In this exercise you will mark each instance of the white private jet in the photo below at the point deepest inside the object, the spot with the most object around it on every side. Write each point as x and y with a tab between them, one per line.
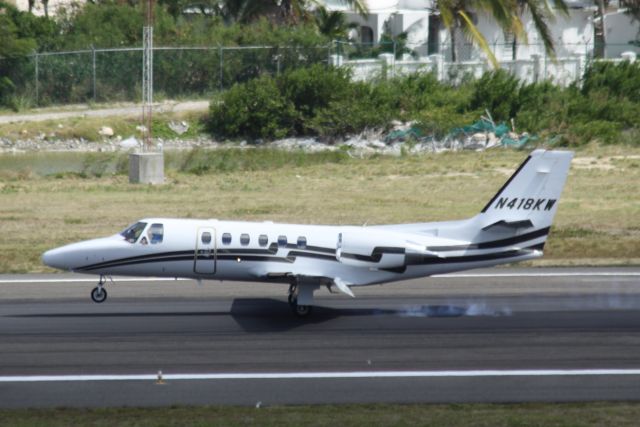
512	227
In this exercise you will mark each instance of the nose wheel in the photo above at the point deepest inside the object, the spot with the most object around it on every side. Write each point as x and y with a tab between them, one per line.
99	293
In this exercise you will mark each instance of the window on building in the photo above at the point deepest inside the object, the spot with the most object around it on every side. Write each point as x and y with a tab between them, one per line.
366	35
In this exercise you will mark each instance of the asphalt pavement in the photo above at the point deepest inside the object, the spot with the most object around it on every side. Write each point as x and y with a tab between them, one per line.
500	335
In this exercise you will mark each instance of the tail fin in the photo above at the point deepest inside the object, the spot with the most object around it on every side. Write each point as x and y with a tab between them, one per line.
529	199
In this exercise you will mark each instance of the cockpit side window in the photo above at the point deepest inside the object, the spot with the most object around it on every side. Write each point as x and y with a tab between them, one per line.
134	231
156	233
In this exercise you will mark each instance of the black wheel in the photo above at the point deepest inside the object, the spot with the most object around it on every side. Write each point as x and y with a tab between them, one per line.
302	310
98	294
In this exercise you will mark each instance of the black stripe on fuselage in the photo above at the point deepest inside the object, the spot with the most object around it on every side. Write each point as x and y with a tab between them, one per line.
310	252
492	244
469	258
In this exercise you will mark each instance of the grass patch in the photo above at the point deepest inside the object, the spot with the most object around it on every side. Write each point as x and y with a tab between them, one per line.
597	218
461	415
87	127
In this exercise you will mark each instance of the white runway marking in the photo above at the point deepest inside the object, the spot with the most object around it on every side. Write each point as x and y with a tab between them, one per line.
93	280
568	274
328	375
443	276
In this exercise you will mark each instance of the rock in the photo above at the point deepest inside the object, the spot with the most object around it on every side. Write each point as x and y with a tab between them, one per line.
129	143
493	140
141	128
60	126
105	131
179	127
479	138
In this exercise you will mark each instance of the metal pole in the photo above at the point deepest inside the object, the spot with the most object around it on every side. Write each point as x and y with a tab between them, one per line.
93	66
220	76
36	75
393	70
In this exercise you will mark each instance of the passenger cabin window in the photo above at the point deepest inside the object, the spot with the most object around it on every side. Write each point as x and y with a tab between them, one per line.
206	238
244	239
282	241
156	233
134	231
263	240
302	242
226	238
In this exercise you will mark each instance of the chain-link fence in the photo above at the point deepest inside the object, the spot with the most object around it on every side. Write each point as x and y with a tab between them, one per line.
97	75
116	74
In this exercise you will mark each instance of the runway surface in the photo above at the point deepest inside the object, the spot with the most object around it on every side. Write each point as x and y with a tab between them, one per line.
501	335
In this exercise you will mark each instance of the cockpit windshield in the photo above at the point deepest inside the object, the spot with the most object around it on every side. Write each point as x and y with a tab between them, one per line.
134	231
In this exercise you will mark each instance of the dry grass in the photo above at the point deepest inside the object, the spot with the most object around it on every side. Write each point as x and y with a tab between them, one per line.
88	127
494	415
598	219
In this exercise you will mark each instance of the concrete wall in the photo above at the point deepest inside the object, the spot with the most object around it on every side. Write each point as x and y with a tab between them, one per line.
619	30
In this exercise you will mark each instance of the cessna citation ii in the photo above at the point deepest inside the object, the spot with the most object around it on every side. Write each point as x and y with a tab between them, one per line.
513	226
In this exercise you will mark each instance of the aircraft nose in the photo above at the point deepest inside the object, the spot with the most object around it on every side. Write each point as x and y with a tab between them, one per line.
55	258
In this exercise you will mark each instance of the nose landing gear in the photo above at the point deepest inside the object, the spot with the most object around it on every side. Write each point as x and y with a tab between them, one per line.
99	293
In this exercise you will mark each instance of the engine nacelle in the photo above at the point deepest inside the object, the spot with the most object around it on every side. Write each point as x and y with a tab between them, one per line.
371	248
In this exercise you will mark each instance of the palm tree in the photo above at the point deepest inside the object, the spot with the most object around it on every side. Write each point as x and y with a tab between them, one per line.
456	16
333	24
541	13
280	11
293	11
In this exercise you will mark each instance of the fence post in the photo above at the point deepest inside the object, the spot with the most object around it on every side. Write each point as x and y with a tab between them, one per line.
221	75
93	71
536	66
439	61
37	77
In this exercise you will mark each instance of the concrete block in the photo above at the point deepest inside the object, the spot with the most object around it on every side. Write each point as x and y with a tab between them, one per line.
146	168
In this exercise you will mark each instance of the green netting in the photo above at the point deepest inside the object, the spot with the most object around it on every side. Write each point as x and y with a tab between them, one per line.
484	125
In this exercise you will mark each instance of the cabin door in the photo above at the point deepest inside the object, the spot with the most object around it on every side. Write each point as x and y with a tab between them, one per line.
205	257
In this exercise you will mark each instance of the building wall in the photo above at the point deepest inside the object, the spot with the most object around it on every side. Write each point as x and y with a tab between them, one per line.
38	9
620	29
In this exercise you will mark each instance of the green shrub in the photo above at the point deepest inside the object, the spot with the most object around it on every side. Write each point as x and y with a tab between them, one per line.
255	109
367	106
313	88
544	106
439	122
597	130
619	80
497	91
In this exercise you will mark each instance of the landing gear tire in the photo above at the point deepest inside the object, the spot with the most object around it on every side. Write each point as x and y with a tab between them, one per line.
302	310
98	294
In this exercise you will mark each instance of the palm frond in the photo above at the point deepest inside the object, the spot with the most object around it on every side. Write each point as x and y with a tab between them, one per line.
477	37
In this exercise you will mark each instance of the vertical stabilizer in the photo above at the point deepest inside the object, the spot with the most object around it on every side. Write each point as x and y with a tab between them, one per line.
529	199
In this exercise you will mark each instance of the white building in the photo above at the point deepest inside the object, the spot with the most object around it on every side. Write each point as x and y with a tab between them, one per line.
572	35
38	6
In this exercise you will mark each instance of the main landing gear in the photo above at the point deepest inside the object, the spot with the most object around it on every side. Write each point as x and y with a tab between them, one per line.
99	293
298	310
